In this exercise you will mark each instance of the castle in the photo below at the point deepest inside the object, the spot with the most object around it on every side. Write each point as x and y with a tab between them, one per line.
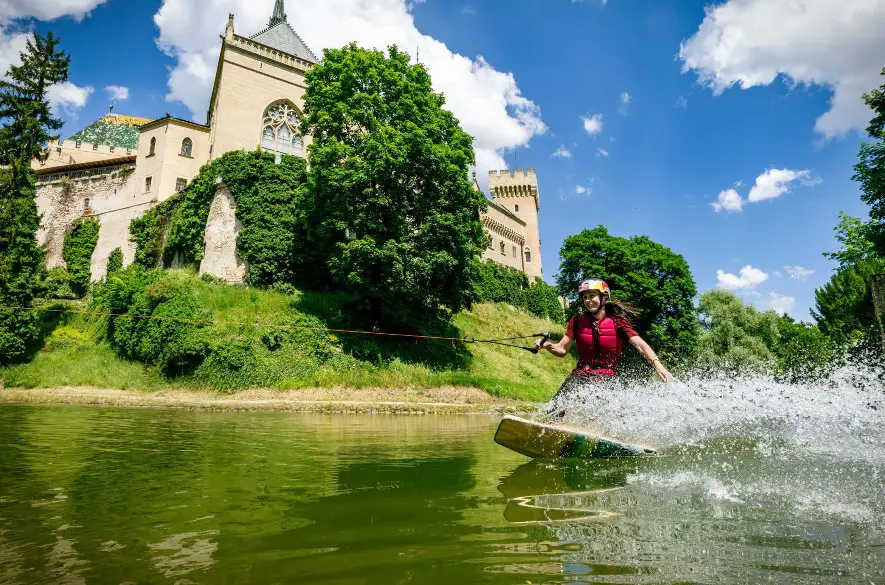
120	166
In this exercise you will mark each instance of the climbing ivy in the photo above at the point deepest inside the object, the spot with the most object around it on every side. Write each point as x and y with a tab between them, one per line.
149	231
268	197
77	253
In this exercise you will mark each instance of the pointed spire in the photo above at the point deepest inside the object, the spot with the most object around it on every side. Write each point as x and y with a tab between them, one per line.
279	14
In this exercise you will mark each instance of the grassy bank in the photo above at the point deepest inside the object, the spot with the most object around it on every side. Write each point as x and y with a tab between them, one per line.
75	356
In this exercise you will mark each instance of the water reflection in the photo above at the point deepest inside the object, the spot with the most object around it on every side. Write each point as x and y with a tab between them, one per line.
559	491
113	496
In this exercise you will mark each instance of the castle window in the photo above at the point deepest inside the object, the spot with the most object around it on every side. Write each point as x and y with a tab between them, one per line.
95	146
187	147
516	207
147	185
503	253
514	251
279	130
180	184
153	147
528	256
86	204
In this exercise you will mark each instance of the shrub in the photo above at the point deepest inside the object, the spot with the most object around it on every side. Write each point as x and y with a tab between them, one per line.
115	261
162	322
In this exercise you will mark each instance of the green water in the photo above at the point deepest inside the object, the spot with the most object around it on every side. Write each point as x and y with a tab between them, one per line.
95	495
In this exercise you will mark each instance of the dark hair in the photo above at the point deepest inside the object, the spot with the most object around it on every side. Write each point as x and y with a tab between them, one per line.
621	308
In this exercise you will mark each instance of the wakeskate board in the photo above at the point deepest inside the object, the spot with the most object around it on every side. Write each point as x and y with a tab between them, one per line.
548	441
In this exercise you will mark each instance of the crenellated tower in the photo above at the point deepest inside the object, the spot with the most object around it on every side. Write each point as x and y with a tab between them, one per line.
517	190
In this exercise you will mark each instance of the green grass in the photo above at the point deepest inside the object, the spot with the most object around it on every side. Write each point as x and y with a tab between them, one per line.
73	356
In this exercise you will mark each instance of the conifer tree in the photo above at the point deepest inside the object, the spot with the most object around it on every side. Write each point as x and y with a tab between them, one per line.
27	126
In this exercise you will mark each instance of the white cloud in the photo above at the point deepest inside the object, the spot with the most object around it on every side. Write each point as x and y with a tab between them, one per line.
593	124
681	102
488	102
11	44
781	303
625	100
67	98
581	189
118	93
749	43
747	278
775	182
769	185
729	201
602	152
562	152
799	273
46	9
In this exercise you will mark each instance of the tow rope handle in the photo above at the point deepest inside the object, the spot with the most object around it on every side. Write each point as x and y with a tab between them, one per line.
544	337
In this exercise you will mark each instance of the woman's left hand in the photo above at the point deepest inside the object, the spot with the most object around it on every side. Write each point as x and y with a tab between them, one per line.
662	372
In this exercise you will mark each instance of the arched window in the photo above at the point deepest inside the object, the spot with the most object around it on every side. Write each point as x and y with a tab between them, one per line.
516	207
153	146
187	147
86	204
528	255
279	130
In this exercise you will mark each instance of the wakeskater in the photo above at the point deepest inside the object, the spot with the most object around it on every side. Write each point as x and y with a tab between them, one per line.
600	331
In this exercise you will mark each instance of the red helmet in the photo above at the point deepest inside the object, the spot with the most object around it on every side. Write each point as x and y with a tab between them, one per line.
597	285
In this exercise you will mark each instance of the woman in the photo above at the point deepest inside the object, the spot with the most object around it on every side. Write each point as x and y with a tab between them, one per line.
600	331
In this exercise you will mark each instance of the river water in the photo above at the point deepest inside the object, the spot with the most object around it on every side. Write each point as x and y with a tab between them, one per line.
756	482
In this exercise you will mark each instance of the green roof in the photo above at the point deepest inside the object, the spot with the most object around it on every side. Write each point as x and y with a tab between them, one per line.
113	130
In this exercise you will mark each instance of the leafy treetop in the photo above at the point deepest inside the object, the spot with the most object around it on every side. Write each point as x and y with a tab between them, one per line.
391	210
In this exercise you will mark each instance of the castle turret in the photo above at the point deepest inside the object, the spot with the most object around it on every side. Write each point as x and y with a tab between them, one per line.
517	190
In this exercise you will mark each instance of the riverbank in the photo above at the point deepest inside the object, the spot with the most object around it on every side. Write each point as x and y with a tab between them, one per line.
407	401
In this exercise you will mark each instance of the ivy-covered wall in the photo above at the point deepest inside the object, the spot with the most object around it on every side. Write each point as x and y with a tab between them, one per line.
77	253
267	196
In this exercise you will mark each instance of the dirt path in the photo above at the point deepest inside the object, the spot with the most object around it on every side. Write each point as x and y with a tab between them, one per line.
445	400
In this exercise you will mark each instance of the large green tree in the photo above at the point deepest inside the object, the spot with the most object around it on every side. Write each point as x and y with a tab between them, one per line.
656	280
870	168
391	211
27	126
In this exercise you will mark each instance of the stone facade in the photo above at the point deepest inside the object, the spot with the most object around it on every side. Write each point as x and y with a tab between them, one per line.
257	101
220	257
517	192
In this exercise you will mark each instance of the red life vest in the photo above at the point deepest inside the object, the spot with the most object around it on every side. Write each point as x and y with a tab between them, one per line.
599	346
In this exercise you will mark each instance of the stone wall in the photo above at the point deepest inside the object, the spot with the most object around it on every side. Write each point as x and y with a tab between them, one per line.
107	193
220	257
506	237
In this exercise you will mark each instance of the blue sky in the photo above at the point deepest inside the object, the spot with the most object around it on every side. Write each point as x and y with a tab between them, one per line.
670	141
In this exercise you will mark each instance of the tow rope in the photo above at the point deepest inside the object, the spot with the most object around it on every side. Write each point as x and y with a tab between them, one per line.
499	341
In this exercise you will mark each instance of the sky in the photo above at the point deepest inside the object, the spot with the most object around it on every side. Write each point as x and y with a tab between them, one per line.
725	132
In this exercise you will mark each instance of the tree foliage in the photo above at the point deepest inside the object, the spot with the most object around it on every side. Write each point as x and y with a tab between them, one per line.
739	340
870	168
391	211
27	126
494	283
855	239
844	308
656	280
77	252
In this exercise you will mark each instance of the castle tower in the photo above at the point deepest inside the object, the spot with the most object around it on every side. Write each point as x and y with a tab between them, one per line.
518	192
258	96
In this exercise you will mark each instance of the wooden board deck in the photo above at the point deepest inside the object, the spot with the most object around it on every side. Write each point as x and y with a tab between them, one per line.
548	441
